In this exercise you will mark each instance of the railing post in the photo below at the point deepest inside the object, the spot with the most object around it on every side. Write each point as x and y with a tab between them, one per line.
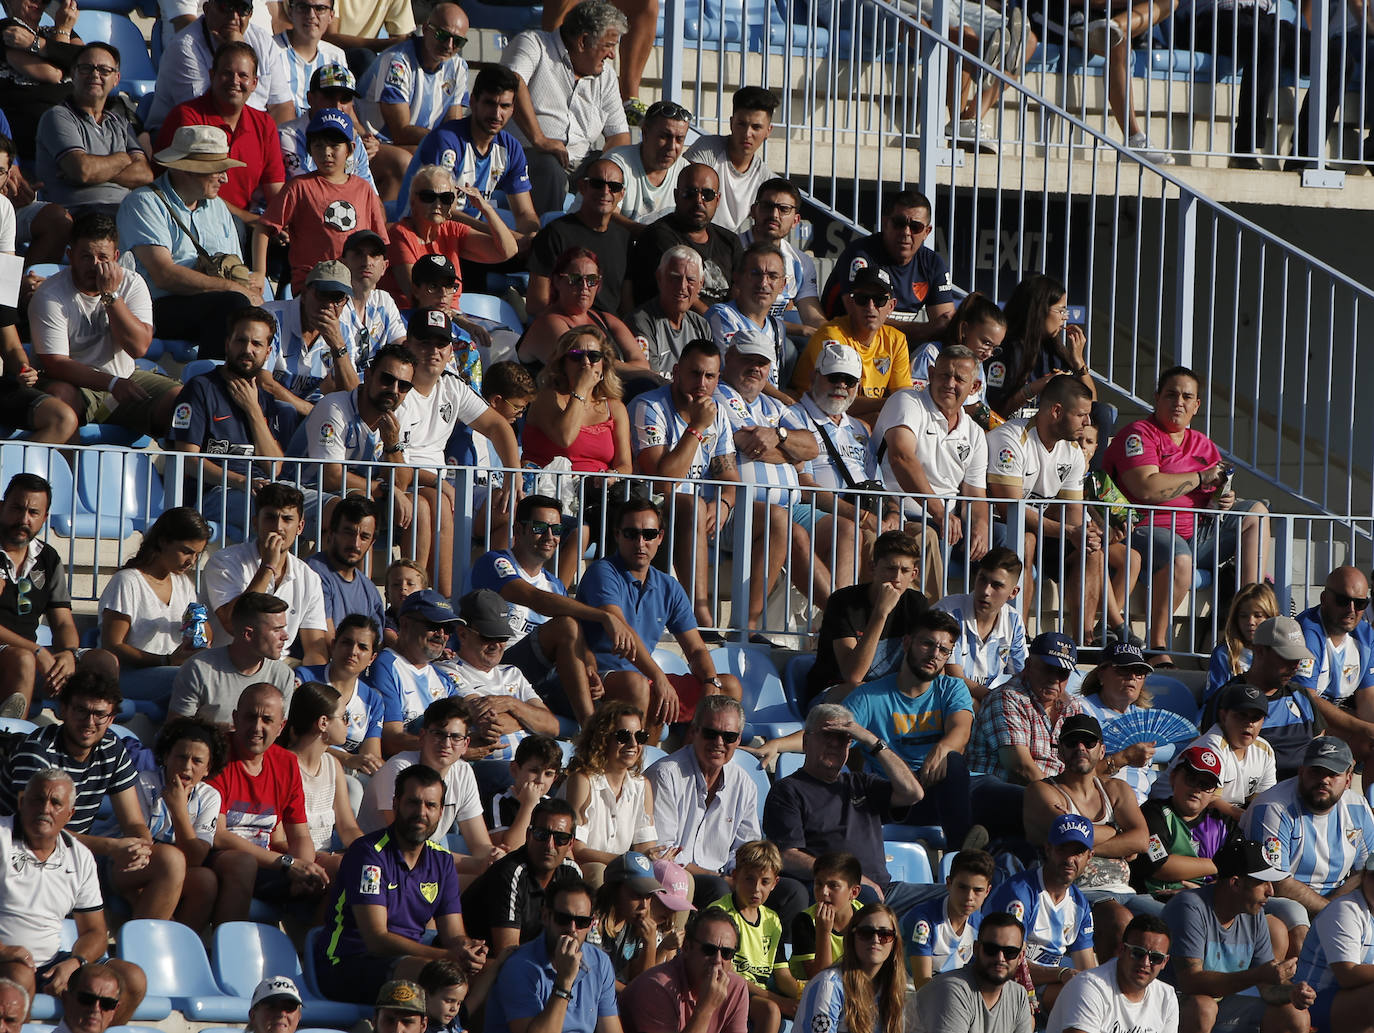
673	72
1185	273
1281	527
935	150
1320	176
173	479
464	481
742	544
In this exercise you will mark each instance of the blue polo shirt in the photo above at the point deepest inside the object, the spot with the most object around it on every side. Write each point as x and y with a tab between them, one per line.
651	606
911	726
1336	671
526	984
205	416
342	598
373	871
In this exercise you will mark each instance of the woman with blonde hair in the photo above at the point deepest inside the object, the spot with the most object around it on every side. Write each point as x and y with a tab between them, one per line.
865	991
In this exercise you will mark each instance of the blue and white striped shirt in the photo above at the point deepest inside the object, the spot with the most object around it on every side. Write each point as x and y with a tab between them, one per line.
397	77
1321	850
299	71
726	320
763	411
1344	932
1053	931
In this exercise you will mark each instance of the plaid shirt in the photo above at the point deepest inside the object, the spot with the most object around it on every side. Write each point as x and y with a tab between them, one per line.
1010	716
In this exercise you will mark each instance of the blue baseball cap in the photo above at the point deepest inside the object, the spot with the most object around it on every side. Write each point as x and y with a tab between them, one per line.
1055	649
428	605
330	120
1072	828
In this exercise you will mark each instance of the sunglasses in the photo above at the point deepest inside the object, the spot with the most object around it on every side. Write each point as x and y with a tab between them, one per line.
279	1003
88	999
577	280
1143	953
624	736
1199	779
712	950
539	528
842	379
901	222
444	37
1007	951
705	193
234	6
874	932
24	604
721	734
597	183
442	196
1342	600
592	355
669	110
864	300
568	918
541	834
649	534
391	380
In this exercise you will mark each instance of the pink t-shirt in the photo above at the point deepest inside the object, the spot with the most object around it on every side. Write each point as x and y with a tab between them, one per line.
1146	443
320	216
658	1001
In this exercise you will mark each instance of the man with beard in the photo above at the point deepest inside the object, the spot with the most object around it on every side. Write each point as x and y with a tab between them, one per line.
983	996
1125	993
347	588
695	200
1342	644
392	884
925	716
1336	959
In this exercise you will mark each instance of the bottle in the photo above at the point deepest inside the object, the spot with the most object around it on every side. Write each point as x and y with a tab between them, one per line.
193	623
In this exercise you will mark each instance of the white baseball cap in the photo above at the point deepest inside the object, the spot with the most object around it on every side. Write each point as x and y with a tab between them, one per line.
837	357
274	986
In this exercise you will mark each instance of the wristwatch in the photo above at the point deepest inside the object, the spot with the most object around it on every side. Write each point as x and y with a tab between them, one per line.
285	862
713	680
877	748
560	992
107	299
782	435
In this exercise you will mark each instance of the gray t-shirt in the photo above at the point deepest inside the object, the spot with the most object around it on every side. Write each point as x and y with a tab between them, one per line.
951	1003
208	685
1195	933
62	130
662	344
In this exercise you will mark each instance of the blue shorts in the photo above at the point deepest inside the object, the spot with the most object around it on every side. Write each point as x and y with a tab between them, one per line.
1213	542
806	515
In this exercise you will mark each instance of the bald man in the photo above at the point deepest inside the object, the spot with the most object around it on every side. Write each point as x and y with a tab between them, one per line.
420	82
695	200
1342	643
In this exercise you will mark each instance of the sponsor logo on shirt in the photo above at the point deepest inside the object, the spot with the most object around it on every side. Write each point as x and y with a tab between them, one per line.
371	880
181	416
1135	446
1305	669
1273	853
921	935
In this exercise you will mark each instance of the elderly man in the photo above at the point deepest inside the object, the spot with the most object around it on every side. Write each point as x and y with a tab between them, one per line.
275	1006
1128	985
568	96
590	227
253	137
755	283
698	990
868	304
89	323
919	276
984	994
188	304
209	684
1342	644
405	675
738	157
775	214
651	167
420	81
690	223
88	155
666	322
49	874
1162	461
90	999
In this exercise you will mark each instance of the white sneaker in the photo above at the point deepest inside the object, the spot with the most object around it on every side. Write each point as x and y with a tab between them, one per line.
973	135
1140	143
1097	37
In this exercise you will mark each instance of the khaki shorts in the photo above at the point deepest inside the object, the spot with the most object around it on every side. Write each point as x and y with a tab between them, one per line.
101	407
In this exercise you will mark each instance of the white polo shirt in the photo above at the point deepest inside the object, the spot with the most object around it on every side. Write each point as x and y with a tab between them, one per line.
229	571
36	896
950	458
708	835
1016	455
1094	1001
850	439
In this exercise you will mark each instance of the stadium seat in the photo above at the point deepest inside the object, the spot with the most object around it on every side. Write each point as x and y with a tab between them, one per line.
789	764
908	862
754	769
111	434
794	682
485	306
931	835
173	958
567	748
245	953
1172	694
196	367
946	863
137	74
131	475
671	662
67	516
17	725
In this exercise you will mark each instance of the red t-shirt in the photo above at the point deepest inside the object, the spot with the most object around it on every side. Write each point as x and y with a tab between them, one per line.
254	805
406	246
320	217
255	143
1146	443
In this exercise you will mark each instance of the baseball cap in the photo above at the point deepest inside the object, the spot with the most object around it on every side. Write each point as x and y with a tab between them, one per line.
1330	753
839	358
870	279
331	277
486	613
1243	696
1202	759
1248	857
433	269
365	238
428	605
1055	649
1080	726
333	77
330	120
274	986
431	323
675	882
635	870
1284	636
1126	655
402	995
753	342
1071	828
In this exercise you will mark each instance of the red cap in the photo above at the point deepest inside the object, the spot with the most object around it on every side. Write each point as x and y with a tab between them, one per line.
1202	758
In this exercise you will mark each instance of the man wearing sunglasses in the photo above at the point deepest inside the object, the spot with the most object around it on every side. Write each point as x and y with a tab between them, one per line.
651	167
983	996
695	200
419	82
698	991
90	1000
1342	644
1126	992
588	226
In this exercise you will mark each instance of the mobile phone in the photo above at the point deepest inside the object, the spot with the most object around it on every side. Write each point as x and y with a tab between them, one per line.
1227	472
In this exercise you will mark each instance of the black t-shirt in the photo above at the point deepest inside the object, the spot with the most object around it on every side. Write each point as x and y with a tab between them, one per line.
719	253
611	247
846	616
802	812
44	586
506	896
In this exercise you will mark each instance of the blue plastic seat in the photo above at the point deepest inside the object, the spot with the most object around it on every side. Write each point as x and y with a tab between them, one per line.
486	306
908	862
790	763
196	367
137	74
761	685
173	958
20	726
1172	694
671	662
129	477
794	682
67	516
756	773
245	953
111	434
933	835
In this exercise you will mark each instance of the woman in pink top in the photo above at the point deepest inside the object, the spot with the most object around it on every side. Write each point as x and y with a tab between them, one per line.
577	413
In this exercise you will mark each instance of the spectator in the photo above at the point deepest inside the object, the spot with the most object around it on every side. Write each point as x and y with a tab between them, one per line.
542	986
318	721
330	86
1334	955
143	607
90	999
421	81
1221	948
690	223
357	639
1114	522
1112	690
756	282
866	988
703	803
372	319
88	155
262	845
538	764
405	676
42	226
445	986
658	605
1161	461
347	588
668	321
318	211
557	122
1246	758
1037	457
738	158
267	564
772	989
89	323
209	684
651	167
574	283
866	327
1124	990
699	989
403	578
985	994
918	277
357	28
1251	606
252	132
1342	644
980	326
14	1005
589	227
775	213
606	787
275	1006
310	356
940	933
1039	345
305	53
392	884
1184	836
624	925
818	932
991	645
37	63
163	222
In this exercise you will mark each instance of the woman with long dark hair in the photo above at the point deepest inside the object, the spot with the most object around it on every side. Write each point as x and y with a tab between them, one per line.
1040	344
864	992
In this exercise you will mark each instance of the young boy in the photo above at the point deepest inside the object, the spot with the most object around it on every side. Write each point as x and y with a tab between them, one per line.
992	640
538	763
314	214
446	987
818	932
759	957
939	933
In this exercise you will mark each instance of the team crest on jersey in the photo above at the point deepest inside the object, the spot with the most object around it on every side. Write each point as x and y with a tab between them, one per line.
446	411
450	85
1353	835
859	263
1063	470
371	881
962	451
1305	668
1273	852
882	365
430	891
448	158
1135	446
921	934
1348	671
997	374
181	416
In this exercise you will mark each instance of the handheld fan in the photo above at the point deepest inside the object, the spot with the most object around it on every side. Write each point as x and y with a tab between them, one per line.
1160	727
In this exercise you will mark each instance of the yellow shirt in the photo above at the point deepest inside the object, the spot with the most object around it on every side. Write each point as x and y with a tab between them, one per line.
367	17
886	362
